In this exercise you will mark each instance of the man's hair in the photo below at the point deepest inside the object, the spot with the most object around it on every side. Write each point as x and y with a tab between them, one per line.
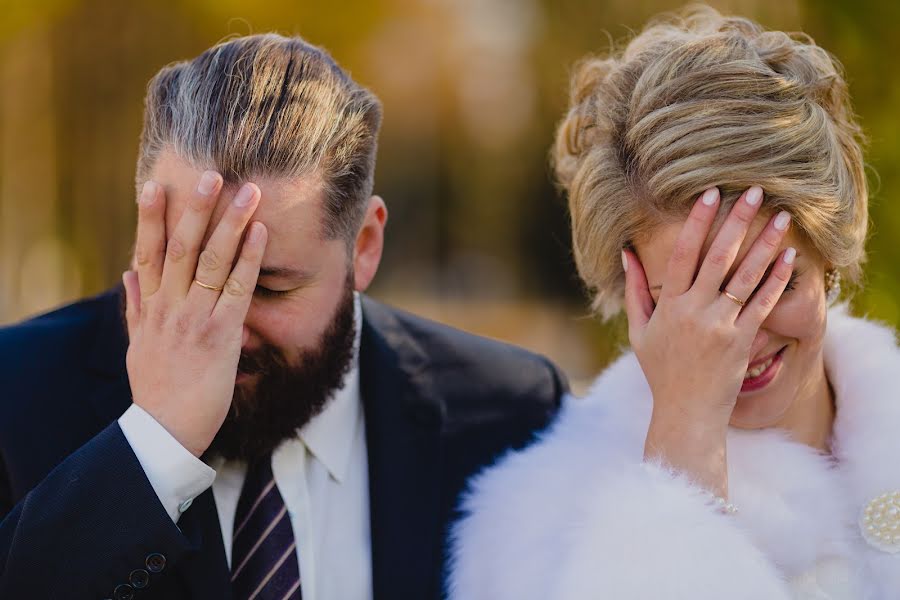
268	106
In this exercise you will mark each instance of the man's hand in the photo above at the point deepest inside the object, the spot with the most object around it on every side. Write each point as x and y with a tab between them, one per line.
185	338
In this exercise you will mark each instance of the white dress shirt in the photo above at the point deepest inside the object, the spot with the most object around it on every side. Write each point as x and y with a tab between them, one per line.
322	475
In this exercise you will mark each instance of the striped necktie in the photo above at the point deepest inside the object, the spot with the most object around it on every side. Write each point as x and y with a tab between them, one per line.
263	552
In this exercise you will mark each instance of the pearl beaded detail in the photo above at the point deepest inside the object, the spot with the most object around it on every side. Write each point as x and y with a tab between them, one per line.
879	522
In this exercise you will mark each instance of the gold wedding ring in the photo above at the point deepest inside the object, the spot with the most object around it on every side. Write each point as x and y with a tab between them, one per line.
207	286
733	298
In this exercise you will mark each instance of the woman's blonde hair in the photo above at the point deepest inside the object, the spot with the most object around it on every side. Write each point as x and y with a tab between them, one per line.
701	100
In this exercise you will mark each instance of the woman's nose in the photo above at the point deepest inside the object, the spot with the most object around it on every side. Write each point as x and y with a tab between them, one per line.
759	342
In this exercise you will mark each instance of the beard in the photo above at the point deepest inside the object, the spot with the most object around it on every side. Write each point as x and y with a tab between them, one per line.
283	396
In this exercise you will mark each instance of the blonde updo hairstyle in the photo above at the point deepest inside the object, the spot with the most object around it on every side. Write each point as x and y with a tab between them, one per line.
703	100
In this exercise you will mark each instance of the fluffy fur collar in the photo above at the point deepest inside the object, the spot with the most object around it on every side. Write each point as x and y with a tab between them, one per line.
549	508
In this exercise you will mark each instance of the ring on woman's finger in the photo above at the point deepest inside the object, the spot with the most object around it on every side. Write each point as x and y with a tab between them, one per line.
733	298
207	286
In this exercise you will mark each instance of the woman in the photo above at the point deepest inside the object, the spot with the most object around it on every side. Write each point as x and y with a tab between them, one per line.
747	447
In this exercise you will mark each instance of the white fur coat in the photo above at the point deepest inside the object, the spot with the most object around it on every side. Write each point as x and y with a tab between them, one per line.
579	516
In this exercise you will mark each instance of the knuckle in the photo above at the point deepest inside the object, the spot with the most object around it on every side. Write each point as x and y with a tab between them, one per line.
749	277
698	217
743	214
182	324
199	203
681	252
721	334
142	256
718	257
770	241
175	250
781	274
766	300
233	287
158	316
689	320
207	335
210	260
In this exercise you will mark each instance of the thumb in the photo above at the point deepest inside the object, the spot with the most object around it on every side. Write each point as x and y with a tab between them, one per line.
638	301
132	301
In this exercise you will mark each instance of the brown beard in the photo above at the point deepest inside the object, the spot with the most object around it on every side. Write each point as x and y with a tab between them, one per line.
283	397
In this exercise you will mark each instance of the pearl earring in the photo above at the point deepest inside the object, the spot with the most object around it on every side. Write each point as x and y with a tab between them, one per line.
832	285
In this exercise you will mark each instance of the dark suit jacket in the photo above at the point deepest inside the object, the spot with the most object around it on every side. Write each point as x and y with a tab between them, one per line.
80	518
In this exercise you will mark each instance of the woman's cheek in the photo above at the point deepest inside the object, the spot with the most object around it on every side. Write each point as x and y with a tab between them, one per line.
800	314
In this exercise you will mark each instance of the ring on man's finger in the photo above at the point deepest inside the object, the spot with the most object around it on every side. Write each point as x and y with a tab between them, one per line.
733	298
207	286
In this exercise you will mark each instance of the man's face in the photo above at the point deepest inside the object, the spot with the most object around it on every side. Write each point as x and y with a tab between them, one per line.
298	334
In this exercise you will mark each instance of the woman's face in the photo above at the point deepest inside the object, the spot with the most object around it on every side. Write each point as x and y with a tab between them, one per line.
795	328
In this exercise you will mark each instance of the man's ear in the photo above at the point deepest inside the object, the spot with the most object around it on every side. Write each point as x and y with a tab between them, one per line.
369	244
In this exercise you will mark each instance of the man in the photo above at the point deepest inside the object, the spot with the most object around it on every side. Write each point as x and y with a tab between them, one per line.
238	421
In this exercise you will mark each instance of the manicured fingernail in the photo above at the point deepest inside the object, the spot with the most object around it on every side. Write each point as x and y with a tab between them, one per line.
256	232
624	261
710	196
754	195
244	196
208	182
782	220
148	193
789	255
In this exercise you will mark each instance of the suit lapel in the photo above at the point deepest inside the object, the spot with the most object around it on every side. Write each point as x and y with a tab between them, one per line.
403	422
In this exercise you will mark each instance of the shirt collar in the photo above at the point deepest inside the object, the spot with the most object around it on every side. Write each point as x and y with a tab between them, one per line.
329	435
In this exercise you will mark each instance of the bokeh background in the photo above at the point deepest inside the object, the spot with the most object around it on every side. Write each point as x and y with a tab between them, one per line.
478	234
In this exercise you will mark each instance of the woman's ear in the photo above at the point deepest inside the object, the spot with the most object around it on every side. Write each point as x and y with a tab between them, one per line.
369	244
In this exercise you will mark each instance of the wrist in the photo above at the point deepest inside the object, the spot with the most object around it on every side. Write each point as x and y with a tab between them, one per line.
696	449
178	427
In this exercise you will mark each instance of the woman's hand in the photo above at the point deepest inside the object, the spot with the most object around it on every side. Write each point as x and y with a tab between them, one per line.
694	345
185	338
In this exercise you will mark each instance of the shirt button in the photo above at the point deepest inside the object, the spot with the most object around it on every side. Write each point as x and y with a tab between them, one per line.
155	562
185	505
139	579
123	592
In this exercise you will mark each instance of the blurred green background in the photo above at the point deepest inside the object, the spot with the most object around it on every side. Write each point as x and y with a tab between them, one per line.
478	235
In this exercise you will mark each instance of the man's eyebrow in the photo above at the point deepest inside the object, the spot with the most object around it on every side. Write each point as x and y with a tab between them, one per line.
656	287
285	273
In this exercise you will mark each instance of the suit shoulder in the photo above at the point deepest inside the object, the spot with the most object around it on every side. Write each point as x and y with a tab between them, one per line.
478	372
61	335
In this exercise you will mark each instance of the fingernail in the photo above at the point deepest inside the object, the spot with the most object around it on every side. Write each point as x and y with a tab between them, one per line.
148	193
244	196
208	182
754	195
256	232
624	261
789	255
782	220
710	196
